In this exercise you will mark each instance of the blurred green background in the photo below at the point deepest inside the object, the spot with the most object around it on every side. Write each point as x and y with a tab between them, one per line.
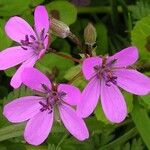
118	23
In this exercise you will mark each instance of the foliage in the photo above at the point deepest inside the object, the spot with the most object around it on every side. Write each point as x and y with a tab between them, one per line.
118	24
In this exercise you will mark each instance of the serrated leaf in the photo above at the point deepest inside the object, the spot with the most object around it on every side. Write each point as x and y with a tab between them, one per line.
22	91
141	37
11	131
64	10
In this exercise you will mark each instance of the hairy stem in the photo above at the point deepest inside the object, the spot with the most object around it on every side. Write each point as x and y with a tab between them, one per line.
65	56
75	77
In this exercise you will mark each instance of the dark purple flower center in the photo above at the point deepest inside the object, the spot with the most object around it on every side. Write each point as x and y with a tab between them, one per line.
52	98
106	72
35	42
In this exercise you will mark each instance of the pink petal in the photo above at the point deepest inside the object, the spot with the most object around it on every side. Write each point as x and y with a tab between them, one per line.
88	66
41	19
113	103
16	28
73	94
38	128
16	80
42	53
13	56
133	81
22	108
34	79
74	124
47	41
125	57
89	99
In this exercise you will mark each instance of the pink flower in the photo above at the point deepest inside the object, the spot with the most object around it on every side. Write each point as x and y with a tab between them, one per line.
105	75
33	43
39	110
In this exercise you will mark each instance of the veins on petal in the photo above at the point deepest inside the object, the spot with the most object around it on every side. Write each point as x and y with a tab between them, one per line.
106	72
52	98
35	42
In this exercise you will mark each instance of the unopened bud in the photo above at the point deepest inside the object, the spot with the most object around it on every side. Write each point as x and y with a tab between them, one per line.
59	28
90	34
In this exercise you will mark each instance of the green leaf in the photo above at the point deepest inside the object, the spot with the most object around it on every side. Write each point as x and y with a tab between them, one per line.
36	2
64	10
4	40
3	120
61	45
141	37
16	130
13	7
10	72
146	100
93	124
22	91
129	101
11	131
52	61
102	39
100	114
141	9
80	81
122	139
142	121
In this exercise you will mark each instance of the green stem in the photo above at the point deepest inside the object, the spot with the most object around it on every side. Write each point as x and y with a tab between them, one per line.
100	9
61	141
131	133
29	147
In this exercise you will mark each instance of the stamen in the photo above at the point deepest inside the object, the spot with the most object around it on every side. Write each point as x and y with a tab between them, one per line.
52	98
32	37
24	48
36	43
42	35
106	72
112	62
45	88
46	107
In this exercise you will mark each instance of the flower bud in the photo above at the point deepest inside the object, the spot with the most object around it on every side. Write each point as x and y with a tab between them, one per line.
90	34
59	28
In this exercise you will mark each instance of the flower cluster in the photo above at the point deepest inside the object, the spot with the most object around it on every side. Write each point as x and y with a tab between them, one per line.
105	75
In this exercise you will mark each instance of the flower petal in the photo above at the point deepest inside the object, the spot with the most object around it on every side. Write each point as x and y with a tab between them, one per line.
16	80
74	124
113	103
125	57
133	81
38	128
89	98
22	109
73	94
88	66
13	56
34	79
41	19
17	28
